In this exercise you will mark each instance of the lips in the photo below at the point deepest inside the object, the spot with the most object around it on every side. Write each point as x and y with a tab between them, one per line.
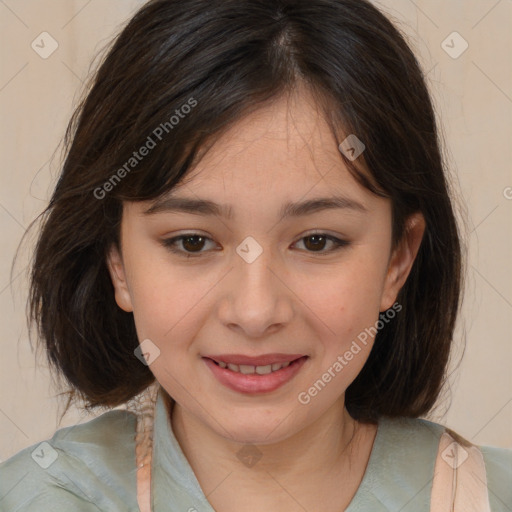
263	381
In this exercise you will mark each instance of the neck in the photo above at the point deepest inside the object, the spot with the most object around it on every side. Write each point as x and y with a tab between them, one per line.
325	445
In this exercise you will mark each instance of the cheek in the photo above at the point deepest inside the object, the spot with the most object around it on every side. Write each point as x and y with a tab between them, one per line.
165	312
347	297
348	307
167	301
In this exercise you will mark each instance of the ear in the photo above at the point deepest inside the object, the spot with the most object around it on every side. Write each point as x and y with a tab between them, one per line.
402	259
117	274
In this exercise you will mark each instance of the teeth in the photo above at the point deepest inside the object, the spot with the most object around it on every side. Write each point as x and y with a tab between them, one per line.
263	370
248	369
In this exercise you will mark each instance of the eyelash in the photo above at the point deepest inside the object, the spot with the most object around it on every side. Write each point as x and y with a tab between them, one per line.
170	244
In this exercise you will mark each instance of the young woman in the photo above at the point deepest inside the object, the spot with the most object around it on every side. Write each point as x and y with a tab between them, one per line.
252	244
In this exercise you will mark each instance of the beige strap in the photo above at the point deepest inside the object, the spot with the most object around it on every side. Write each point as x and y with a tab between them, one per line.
460	481
144	408
144	488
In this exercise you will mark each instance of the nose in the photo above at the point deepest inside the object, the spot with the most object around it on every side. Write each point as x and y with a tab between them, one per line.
256	299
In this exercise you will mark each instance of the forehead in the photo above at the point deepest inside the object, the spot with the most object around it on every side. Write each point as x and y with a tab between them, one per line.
285	147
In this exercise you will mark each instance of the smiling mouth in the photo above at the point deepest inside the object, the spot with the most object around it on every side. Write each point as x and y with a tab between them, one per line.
255	379
248	369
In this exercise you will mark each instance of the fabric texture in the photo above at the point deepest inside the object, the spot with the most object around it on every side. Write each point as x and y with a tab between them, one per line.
92	466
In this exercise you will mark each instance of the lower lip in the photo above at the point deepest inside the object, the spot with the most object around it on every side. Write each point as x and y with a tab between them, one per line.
254	383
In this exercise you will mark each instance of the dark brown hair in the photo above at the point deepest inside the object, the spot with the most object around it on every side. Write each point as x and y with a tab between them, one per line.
231	57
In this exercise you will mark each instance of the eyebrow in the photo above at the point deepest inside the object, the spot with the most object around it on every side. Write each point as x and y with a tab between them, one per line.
169	204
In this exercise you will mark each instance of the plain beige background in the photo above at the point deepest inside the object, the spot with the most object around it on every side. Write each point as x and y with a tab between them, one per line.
473	96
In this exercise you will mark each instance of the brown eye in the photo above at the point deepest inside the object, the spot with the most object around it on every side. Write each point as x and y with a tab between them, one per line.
317	243
191	244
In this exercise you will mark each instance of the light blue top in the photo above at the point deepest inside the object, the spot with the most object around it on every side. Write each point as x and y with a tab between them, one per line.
90	467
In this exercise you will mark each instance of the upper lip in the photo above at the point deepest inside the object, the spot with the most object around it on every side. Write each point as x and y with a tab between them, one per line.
262	360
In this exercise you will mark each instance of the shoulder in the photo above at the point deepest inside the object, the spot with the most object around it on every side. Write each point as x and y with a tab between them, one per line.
414	438
413	443
81	467
498	466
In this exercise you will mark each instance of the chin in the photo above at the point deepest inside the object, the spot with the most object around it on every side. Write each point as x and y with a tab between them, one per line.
254	430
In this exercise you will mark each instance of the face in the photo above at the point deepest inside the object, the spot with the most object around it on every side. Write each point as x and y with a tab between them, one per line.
259	277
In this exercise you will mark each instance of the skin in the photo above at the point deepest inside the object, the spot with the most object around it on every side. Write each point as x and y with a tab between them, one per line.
295	298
